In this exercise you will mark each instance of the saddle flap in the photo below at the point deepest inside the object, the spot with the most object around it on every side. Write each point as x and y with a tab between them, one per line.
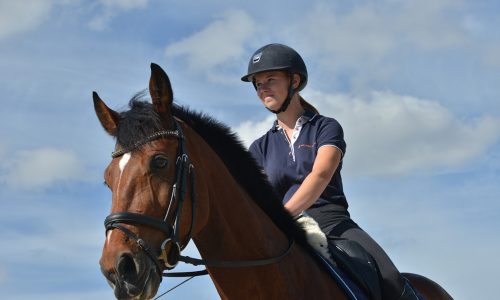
358	263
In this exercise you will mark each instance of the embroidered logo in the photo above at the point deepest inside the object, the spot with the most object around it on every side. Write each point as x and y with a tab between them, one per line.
306	146
256	57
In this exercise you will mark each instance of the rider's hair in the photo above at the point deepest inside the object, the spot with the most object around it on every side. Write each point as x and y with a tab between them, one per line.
307	106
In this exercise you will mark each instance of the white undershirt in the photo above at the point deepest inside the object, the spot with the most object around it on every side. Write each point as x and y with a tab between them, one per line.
295	134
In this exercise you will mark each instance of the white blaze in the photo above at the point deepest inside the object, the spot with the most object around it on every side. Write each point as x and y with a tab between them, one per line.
108	237
124	161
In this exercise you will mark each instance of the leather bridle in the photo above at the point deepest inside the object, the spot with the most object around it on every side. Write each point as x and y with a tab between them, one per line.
170	259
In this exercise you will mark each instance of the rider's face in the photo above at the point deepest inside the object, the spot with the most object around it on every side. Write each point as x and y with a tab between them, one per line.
272	88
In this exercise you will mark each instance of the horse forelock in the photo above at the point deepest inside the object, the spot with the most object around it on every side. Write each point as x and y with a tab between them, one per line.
139	122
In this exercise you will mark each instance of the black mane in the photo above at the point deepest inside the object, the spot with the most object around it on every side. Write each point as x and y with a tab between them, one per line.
142	121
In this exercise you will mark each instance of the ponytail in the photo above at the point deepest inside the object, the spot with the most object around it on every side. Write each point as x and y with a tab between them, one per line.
308	106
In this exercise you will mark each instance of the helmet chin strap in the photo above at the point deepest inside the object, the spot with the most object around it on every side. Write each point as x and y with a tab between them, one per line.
284	106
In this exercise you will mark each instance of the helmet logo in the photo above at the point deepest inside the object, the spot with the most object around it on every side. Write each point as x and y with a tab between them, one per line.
256	57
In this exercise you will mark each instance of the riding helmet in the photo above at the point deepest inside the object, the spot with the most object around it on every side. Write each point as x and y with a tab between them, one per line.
275	57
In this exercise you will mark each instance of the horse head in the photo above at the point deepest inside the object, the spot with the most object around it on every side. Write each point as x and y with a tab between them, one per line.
149	177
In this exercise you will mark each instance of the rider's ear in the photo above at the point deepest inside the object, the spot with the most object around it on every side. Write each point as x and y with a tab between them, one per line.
109	118
161	93
296	80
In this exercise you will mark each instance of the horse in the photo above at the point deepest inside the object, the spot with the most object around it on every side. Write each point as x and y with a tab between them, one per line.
178	175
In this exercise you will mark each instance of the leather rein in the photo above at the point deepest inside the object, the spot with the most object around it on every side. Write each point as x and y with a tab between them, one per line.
170	259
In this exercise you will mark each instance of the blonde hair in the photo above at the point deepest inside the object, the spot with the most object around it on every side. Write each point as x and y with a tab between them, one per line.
307	106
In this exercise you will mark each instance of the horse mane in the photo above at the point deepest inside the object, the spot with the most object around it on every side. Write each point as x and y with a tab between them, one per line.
141	121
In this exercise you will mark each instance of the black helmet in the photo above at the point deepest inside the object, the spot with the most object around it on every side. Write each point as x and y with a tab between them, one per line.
274	57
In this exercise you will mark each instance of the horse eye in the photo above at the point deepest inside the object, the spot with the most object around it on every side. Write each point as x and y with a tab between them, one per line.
159	162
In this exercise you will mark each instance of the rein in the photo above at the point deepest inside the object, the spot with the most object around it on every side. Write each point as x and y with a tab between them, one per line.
170	259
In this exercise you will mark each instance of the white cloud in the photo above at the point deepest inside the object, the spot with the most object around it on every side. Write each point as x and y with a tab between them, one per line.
220	43
429	24
367	37
395	134
20	16
390	134
249	131
111	8
41	168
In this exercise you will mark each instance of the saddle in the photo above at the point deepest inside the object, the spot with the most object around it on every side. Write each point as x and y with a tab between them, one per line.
360	266
348	256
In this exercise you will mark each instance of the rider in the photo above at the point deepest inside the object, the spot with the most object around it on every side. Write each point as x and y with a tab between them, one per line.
302	155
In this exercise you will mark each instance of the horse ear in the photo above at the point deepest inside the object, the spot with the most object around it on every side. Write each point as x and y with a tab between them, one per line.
109	118
161	92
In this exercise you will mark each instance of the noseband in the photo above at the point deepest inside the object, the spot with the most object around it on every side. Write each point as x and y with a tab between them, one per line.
170	259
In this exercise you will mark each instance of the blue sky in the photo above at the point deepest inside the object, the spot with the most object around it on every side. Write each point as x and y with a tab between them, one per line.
414	83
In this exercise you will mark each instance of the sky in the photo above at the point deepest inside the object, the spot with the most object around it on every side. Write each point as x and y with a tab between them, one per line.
413	83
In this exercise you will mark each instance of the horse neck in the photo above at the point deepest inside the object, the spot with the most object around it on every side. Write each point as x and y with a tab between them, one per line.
234	220
231	226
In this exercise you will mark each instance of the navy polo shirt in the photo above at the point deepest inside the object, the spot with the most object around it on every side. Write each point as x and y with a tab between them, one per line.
286	166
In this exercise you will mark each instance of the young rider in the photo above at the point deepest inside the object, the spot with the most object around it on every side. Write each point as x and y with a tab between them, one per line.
302	155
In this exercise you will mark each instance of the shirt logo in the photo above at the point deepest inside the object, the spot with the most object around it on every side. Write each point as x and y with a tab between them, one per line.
256	57
306	146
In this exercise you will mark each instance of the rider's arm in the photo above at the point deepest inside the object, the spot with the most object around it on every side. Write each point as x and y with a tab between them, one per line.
325	164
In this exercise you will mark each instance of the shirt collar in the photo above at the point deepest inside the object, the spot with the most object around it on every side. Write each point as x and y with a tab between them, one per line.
306	117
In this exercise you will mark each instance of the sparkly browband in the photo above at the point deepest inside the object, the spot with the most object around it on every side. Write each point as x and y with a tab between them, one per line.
154	136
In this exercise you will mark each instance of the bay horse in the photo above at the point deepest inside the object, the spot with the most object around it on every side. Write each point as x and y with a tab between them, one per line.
177	175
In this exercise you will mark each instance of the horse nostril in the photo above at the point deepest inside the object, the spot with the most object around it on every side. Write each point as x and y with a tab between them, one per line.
126	268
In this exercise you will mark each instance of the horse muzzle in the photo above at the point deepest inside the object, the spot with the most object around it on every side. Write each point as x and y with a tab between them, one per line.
133	276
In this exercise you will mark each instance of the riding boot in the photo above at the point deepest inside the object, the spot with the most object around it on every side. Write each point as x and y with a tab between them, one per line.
408	293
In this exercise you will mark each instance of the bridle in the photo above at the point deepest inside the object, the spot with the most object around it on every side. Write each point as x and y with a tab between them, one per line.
169	259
